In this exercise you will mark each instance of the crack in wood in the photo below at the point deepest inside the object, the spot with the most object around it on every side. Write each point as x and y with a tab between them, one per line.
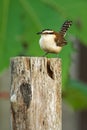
25	89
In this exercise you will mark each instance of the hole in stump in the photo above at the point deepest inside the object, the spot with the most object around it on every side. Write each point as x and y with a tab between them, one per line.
49	71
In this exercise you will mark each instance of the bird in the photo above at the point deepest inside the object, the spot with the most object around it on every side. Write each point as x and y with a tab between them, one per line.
52	41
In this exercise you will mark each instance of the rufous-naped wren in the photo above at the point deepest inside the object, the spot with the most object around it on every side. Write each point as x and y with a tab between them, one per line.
52	41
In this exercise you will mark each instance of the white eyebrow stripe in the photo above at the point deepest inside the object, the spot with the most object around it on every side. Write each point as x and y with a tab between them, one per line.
48	31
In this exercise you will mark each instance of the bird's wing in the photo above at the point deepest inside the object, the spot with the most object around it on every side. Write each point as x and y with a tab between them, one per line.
60	41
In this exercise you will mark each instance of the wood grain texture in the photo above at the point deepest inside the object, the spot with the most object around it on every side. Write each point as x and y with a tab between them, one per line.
36	93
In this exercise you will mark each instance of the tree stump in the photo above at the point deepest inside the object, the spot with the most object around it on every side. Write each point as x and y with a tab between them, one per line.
36	93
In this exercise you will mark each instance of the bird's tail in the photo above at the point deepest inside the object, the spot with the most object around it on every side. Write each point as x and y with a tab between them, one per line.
65	27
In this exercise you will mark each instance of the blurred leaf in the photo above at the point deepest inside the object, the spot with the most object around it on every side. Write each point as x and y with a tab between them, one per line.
76	94
77	11
10	26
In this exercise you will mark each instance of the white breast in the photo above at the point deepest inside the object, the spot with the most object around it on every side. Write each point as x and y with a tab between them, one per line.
48	44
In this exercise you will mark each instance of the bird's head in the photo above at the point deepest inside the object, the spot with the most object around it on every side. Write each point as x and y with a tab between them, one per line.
46	32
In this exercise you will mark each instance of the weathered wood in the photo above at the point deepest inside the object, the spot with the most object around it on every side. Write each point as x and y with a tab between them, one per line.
36	93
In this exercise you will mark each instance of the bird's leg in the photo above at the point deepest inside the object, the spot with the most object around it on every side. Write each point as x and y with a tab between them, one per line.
45	54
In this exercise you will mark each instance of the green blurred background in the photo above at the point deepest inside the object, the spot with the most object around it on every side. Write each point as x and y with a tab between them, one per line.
20	20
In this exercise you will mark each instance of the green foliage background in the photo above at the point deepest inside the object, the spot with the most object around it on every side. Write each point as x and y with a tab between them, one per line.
20	20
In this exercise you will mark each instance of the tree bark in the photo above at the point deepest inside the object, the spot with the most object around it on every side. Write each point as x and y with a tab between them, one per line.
36	93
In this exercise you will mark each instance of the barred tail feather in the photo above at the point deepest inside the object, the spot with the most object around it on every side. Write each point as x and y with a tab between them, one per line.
65	27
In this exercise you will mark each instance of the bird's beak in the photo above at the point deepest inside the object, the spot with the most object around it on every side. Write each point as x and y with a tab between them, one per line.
39	33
